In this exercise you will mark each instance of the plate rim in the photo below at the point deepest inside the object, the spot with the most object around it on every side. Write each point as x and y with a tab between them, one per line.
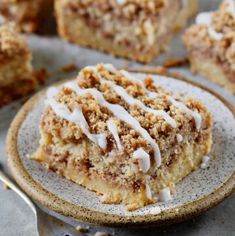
57	204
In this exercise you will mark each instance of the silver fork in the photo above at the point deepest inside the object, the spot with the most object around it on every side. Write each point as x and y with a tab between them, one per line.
46	224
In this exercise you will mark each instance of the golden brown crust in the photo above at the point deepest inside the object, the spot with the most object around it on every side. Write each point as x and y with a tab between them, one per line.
132	192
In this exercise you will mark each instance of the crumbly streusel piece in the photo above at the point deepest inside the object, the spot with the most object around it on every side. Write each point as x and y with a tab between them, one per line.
122	137
26	14
211	45
139	30
16	72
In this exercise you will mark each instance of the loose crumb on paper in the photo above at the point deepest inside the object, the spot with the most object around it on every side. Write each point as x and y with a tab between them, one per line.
82	229
68	68
41	75
6	187
205	162
101	234
175	62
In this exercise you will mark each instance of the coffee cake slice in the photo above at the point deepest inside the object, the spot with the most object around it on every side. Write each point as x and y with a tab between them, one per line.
16	73
26	14
124	138
138	30
210	43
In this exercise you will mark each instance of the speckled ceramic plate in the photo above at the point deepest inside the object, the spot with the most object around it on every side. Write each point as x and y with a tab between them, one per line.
199	191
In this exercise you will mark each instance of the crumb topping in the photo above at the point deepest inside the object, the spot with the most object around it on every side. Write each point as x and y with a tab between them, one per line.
129	5
220	22
224	17
10	41
97	116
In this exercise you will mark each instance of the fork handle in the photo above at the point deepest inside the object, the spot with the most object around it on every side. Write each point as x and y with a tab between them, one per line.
6	180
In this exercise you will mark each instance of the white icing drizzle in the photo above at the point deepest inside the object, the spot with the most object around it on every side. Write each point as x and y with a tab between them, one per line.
101	234
134	167
121	2
111	156
184	3
100	139
109	67
179	138
179	105
143	159
103	198
154	210
76	117
2	19
120	113
205	162
231	7
205	18
214	34
152	95
197	117
113	129
147	187
127	75
51	93
165	195
92	68
132	101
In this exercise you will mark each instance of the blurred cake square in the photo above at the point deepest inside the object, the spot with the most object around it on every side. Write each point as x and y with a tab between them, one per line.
26	14
16	72
138	30
210	43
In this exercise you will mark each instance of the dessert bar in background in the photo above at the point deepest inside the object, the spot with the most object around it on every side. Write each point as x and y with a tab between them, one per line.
210	43
138	30
125	138
188	10
26	14
16	73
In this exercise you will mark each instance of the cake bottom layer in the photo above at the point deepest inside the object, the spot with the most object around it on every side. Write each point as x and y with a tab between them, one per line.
184	163
212	70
